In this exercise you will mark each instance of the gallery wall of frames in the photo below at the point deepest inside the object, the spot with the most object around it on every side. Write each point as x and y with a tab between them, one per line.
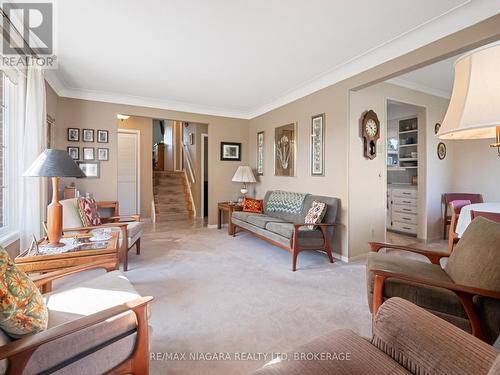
91	150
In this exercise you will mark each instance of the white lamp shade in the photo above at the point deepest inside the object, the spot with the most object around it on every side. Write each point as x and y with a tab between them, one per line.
474	110
244	174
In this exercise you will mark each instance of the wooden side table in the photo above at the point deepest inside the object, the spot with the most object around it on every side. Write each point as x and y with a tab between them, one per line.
229	208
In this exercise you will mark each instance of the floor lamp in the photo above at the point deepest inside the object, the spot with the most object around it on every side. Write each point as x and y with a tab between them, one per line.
54	163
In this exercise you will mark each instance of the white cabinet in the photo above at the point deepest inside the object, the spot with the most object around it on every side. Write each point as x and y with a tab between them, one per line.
402	210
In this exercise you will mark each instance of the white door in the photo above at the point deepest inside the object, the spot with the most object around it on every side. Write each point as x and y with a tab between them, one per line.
128	172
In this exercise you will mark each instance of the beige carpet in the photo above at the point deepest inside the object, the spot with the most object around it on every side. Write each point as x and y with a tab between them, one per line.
214	293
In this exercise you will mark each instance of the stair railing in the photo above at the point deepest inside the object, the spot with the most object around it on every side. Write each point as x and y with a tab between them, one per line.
189	164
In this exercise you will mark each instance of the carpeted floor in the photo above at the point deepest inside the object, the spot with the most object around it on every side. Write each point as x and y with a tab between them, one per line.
218	294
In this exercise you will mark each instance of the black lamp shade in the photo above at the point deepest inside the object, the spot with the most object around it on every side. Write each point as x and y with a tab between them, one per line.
54	163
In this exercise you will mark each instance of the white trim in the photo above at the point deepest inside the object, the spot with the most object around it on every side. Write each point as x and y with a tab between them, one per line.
180	145
138	182
457	18
188	184
212	226
9	239
419	87
202	176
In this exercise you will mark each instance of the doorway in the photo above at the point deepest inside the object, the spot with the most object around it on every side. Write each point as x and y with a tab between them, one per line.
204	175
129	171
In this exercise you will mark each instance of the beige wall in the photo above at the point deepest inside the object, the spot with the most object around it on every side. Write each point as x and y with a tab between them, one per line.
13	249
145	126
99	115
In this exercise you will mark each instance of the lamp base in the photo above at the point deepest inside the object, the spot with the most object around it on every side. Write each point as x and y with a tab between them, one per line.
55	217
244	191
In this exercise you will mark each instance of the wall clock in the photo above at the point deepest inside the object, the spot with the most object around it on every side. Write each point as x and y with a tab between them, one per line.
370	128
441	150
437	127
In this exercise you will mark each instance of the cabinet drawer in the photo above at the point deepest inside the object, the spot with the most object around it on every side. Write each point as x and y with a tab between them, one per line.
404	193
403	227
404	201
404	218
404	209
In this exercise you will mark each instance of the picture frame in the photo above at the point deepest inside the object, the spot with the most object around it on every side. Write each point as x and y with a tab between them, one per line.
318	145
74	152
441	150
102	136
260	153
88	153
285	150
230	151
73	135
91	169
87	135
103	154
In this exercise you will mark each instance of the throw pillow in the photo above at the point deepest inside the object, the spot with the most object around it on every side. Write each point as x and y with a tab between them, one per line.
253	205
23	310
315	214
87	208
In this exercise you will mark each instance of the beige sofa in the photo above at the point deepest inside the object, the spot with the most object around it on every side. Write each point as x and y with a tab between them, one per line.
406	340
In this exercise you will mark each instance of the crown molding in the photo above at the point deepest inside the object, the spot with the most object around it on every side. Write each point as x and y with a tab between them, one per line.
419	87
462	16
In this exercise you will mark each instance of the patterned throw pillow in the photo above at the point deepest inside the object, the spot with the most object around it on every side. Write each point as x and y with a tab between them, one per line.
87	209
23	310
253	205
315	214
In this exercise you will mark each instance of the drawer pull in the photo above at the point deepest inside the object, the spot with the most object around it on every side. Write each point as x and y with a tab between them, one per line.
406	228
405	193
406	201
406	209
406	218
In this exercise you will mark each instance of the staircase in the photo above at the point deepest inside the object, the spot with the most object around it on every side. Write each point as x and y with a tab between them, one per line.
171	196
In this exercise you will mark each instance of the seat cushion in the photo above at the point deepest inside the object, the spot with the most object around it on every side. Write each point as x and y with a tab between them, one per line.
262	220
82	299
22	309
134	228
306	237
363	358
431	298
71	217
241	215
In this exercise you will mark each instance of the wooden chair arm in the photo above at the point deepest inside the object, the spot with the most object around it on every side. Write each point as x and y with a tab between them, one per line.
433	256
297	226
41	280
86	229
463	292
122	217
21	350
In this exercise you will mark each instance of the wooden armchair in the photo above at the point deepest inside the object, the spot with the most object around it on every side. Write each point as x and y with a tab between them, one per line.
466	292
456	207
446	198
76	342
129	225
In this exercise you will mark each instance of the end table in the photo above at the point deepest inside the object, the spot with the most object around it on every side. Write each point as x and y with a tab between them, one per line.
229	208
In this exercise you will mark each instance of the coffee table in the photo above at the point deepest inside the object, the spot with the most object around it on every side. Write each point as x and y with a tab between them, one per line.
87	252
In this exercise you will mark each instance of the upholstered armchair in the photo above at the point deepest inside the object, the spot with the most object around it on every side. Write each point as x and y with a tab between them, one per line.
95	327
466	292
130	226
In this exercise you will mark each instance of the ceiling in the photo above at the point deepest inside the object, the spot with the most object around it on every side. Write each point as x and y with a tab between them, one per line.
239	58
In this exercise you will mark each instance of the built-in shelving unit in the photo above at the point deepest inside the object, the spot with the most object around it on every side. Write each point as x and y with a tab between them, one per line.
408	143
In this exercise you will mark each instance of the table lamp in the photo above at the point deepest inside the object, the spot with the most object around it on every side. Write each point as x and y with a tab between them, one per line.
474	110
55	164
245	175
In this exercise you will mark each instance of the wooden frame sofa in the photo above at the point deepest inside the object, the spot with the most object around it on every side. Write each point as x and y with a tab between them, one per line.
282	223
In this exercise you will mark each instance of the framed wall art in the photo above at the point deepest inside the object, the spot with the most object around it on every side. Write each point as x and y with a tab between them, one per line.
102	136
90	168
103	154
285	148
88	135
230	151
74	152
318	145
441	150
73	134
260	153
88	153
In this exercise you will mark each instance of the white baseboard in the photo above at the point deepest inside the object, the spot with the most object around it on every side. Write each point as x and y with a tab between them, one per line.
342	258
146	220
212	226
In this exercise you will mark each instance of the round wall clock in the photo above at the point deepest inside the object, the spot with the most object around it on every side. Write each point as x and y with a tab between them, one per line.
441	150
437	127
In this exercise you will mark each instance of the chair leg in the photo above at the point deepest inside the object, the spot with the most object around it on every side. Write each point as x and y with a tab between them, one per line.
295	253
125	261
138	246
328	252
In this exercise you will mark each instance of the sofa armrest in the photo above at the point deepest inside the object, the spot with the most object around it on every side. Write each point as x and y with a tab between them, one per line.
433	256
46	278
20	351
425	344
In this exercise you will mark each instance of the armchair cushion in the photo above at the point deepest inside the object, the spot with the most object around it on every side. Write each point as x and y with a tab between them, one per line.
436	299
82	299
87	208
22	309
71	217
315	214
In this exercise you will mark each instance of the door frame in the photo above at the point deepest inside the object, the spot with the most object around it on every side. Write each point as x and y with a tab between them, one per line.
202	176
138	182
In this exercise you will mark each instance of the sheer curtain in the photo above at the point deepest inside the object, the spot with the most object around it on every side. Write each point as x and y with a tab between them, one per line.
33	121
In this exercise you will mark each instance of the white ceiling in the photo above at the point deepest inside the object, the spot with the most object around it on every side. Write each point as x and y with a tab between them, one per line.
236	57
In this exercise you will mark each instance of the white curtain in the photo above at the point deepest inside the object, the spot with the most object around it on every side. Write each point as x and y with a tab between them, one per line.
33	120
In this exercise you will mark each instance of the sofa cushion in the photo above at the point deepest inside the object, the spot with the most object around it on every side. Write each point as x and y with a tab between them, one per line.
306	237
315	214
262	220
133	229
82	299
253	205
363	358
285	205
71	217
431	298
22	309
241	215
87	208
